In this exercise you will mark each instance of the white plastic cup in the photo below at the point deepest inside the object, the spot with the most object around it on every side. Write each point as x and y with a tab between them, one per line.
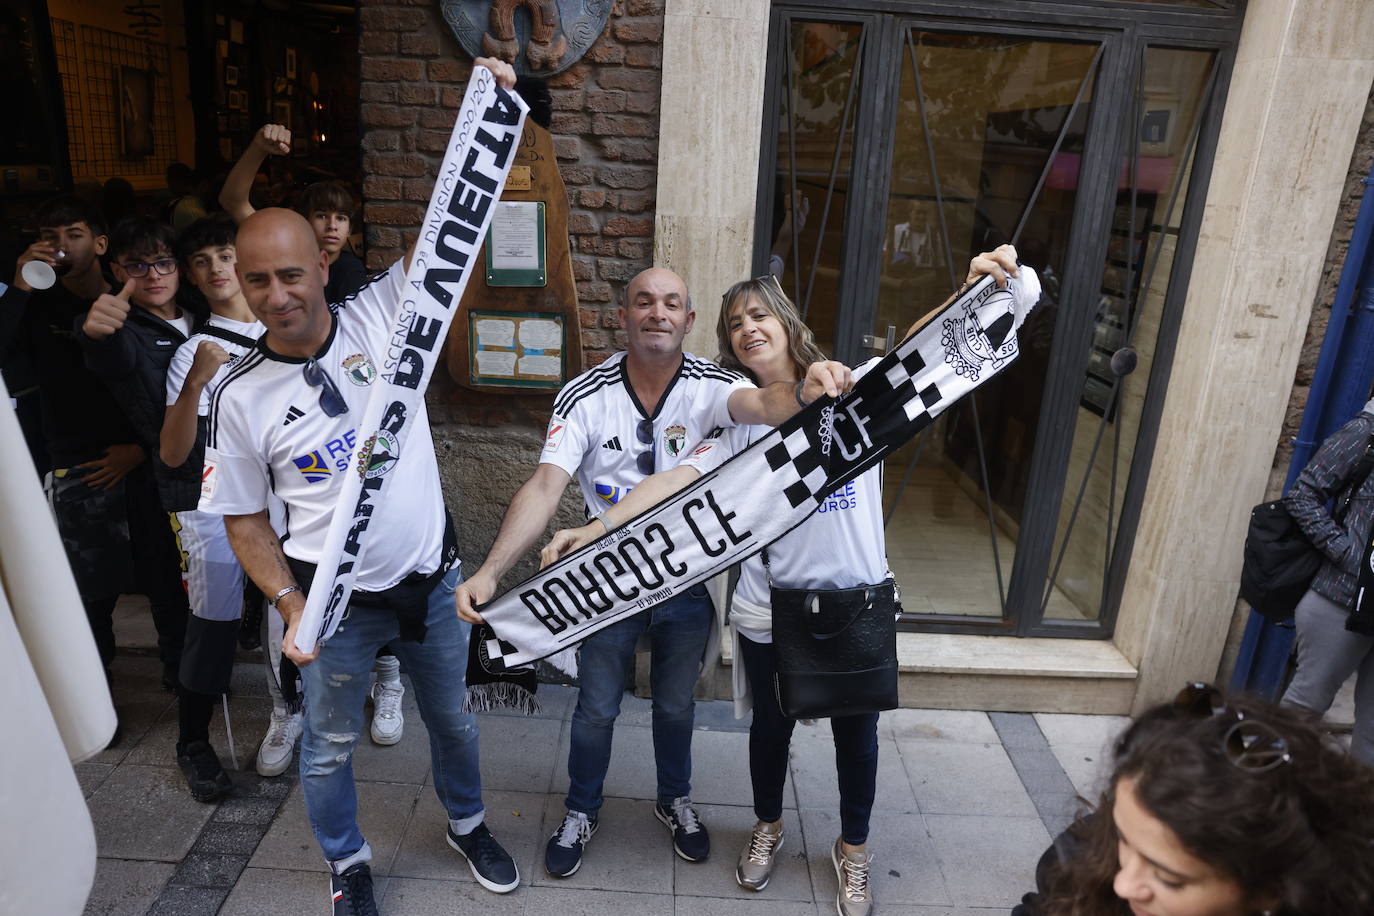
38	274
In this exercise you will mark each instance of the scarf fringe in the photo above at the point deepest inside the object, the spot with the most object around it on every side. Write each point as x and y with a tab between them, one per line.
500	695
565	661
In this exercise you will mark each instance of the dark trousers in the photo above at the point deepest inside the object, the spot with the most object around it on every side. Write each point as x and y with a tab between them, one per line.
770	733
120	541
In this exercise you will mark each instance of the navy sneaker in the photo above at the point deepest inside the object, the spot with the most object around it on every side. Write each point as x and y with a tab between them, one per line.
491	865
351	892
205	775
690	839
563	855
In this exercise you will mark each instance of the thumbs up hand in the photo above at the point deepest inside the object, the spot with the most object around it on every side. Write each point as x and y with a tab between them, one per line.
108	313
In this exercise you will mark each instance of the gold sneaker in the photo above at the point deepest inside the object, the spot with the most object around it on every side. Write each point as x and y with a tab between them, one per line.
854	898
756	861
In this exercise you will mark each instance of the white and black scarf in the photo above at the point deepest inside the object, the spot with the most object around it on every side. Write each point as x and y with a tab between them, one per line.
758	495
478	158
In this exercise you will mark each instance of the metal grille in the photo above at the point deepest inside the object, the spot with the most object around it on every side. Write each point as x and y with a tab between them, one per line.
89	60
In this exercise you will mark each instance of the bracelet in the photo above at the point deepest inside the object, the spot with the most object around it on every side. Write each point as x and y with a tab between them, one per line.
605	522
282	594
796	392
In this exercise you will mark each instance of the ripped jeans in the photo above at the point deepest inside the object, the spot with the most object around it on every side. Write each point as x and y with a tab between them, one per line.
336	684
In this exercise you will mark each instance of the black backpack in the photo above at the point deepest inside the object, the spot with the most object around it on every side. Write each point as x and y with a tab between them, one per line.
1280	561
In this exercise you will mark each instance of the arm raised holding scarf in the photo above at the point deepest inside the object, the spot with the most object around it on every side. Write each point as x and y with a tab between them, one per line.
1000	264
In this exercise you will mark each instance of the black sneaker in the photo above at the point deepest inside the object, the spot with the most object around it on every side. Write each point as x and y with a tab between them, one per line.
205	775
351	892
690	839
491	865
563	855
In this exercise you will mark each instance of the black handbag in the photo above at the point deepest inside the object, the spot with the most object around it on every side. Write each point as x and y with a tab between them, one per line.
834	650
1280	561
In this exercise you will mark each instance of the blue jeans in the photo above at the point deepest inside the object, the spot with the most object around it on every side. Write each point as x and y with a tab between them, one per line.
336	684
677	631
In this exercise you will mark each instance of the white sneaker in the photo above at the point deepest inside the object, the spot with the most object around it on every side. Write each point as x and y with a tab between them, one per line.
387	721
274	756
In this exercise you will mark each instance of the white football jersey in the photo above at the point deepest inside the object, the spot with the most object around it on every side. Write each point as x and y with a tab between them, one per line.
595	431
268	433
186	355
840	546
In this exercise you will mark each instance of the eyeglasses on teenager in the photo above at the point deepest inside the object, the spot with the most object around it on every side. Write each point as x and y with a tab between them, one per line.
139	269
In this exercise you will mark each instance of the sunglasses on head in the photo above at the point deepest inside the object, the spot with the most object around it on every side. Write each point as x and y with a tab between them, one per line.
1249	745
331	399
138	269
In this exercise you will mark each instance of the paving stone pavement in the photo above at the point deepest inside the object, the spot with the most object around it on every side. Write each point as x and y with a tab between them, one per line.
966	803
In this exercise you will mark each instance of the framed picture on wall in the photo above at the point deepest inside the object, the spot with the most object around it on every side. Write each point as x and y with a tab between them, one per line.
136	112
290	63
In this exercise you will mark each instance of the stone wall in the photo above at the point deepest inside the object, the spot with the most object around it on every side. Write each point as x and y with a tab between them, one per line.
1351	196
605	134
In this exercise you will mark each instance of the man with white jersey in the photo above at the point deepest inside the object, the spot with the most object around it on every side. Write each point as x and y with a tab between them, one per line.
214	579
284	422
611	427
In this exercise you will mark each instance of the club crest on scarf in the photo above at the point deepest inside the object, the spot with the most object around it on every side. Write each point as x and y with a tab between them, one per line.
981	336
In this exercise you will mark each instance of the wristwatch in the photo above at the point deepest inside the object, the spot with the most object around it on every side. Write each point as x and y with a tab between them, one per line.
282	594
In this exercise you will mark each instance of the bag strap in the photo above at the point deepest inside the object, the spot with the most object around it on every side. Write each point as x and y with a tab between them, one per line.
1357	480
231	336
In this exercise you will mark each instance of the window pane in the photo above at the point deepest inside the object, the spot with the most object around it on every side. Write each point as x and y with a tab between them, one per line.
1140	258
818	107
973	136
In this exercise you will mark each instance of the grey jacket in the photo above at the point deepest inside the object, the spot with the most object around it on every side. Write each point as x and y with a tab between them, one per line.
1327	476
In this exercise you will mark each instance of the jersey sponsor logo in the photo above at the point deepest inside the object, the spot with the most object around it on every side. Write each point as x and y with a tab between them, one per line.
843	499
313	467
293	413
674	438
612	494
163	343
359	370
378	455
322	463
209	477
702	449
613	444
557	426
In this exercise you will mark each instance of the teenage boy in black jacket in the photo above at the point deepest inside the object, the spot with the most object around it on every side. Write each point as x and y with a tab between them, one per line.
129	339
101	485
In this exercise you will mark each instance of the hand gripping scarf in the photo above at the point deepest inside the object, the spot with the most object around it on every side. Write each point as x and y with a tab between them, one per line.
754	498
478	158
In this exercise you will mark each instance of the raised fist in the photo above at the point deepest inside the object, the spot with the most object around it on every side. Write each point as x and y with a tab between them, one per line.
209	357
273	140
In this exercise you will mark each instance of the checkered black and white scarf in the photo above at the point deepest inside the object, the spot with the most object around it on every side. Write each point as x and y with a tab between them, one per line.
763	492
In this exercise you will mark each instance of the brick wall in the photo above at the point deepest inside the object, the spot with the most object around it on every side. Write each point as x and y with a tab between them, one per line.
605	130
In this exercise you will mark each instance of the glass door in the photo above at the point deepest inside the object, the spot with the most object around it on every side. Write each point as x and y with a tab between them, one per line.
895	149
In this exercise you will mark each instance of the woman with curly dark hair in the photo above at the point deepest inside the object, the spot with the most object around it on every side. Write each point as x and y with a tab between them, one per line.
1221	807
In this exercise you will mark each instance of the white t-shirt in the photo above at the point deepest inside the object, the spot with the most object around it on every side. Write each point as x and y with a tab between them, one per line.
269	433
181	322
593	434
840	546
186	355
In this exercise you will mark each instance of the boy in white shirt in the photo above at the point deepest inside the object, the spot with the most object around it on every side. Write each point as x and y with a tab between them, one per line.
214	579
